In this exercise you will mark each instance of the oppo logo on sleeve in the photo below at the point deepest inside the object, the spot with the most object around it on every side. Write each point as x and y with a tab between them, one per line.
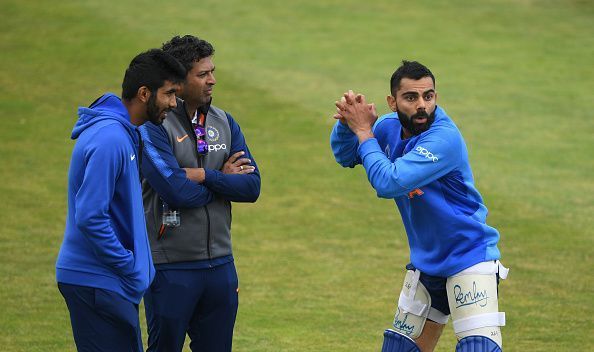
427	154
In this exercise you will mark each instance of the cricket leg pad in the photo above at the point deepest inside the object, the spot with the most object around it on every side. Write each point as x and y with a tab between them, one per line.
477	343
473	300
396	342
414	306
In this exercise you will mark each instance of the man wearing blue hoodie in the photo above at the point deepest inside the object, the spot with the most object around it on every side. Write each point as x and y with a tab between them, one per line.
105	265
417	157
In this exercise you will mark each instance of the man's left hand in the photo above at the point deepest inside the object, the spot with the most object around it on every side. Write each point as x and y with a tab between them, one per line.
238	165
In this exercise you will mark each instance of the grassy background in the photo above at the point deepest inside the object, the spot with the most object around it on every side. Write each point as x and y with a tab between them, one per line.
320	258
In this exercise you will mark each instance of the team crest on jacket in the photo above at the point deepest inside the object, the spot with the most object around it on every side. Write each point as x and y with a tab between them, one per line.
212	134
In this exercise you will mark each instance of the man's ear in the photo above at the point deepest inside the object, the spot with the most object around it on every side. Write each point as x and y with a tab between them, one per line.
180	90
392	103
143	94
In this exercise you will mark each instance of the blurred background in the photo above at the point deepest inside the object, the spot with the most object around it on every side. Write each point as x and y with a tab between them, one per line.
320	258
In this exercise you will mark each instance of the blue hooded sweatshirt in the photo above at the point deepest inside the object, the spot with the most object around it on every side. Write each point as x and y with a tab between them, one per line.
105	242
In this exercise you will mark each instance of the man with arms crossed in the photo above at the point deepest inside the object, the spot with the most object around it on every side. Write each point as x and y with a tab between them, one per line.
417	156
104	265
197	164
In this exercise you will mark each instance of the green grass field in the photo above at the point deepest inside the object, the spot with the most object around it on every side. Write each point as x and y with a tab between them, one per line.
320	258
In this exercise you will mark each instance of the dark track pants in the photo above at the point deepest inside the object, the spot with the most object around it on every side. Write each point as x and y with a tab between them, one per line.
102	320
201	302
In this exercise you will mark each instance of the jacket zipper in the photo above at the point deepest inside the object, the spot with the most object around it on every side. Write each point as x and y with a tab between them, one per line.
187	124
200	162
208	233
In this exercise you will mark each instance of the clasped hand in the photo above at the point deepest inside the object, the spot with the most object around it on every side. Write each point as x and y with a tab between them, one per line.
352	109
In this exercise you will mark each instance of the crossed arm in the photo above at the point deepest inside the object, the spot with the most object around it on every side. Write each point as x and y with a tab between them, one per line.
238	180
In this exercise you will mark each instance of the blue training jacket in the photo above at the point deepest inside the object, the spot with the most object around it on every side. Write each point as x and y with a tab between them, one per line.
105	242
430	179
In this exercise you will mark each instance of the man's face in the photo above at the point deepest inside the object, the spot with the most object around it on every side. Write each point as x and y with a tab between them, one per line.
200	81
415	104
162	101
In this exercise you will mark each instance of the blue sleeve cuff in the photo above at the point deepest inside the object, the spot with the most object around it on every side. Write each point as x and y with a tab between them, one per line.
211	177
343	129
368	147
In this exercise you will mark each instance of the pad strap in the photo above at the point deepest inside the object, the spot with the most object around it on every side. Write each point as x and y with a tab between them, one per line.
408	303
479	321
438	316
503	271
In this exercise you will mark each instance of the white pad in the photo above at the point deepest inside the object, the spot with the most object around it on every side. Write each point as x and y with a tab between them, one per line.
473	301
414	307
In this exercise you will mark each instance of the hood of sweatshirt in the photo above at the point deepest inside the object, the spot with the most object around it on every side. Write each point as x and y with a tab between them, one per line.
107	107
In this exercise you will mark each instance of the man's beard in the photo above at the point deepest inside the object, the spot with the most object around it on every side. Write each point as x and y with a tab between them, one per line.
414	128
154	115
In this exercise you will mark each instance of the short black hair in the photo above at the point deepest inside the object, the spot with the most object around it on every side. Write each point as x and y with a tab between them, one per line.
409	69
188	49
151	69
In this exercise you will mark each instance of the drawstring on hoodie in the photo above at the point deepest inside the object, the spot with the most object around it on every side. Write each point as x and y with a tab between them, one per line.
139	163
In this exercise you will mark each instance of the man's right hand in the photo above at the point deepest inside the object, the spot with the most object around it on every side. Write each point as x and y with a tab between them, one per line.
195	174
